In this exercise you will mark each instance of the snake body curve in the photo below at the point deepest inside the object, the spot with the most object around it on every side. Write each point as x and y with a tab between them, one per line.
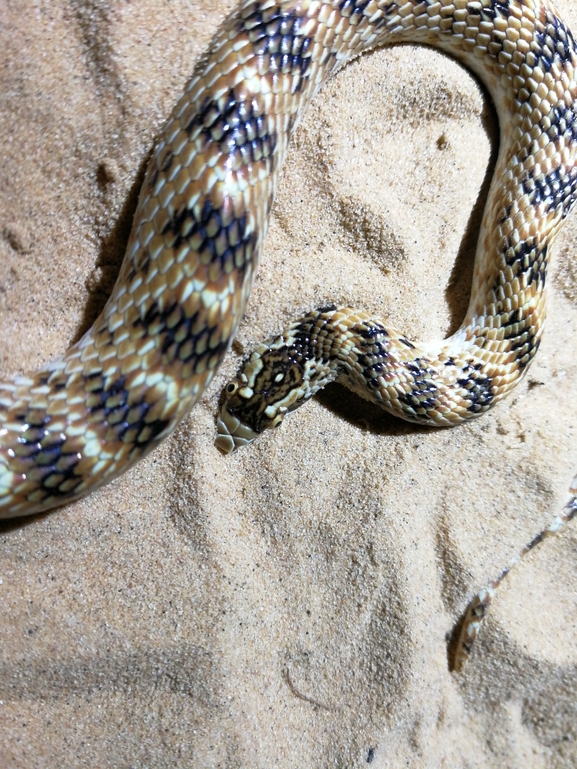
202	216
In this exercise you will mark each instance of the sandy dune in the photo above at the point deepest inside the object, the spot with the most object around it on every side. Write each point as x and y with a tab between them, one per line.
291	605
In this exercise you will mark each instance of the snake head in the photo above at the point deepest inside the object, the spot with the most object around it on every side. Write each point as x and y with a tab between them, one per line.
268	387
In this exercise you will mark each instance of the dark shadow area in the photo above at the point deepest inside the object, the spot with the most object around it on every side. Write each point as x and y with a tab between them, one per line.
458	291
112	251
452	639
544	691
183	669
366	415
8	525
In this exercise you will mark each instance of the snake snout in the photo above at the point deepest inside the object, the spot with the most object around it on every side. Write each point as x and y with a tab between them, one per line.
232	433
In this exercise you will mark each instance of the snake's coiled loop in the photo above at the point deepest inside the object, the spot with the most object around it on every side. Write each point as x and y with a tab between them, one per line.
201	220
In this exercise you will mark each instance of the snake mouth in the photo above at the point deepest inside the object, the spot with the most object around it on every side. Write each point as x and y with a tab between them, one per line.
232	433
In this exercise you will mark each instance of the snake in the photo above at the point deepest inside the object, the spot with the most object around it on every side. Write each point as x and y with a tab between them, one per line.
200	225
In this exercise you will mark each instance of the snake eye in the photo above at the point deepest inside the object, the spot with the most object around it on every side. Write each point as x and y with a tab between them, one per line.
277	421
231	388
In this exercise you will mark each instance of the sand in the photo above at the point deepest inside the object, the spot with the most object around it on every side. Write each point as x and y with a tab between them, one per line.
291	605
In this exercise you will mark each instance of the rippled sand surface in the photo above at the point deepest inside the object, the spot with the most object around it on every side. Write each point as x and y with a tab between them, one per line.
291	605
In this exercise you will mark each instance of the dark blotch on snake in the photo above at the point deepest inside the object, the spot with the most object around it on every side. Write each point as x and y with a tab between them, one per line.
525	347
479	389
238	125
240	239
554	43
276	34
494	10
554	190
178	342
40	457
122	414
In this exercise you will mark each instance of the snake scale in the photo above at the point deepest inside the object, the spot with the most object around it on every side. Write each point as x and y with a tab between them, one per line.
199	228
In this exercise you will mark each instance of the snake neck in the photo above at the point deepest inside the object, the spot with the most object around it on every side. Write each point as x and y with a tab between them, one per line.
434	387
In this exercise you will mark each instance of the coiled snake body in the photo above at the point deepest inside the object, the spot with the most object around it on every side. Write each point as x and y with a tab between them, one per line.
198	233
